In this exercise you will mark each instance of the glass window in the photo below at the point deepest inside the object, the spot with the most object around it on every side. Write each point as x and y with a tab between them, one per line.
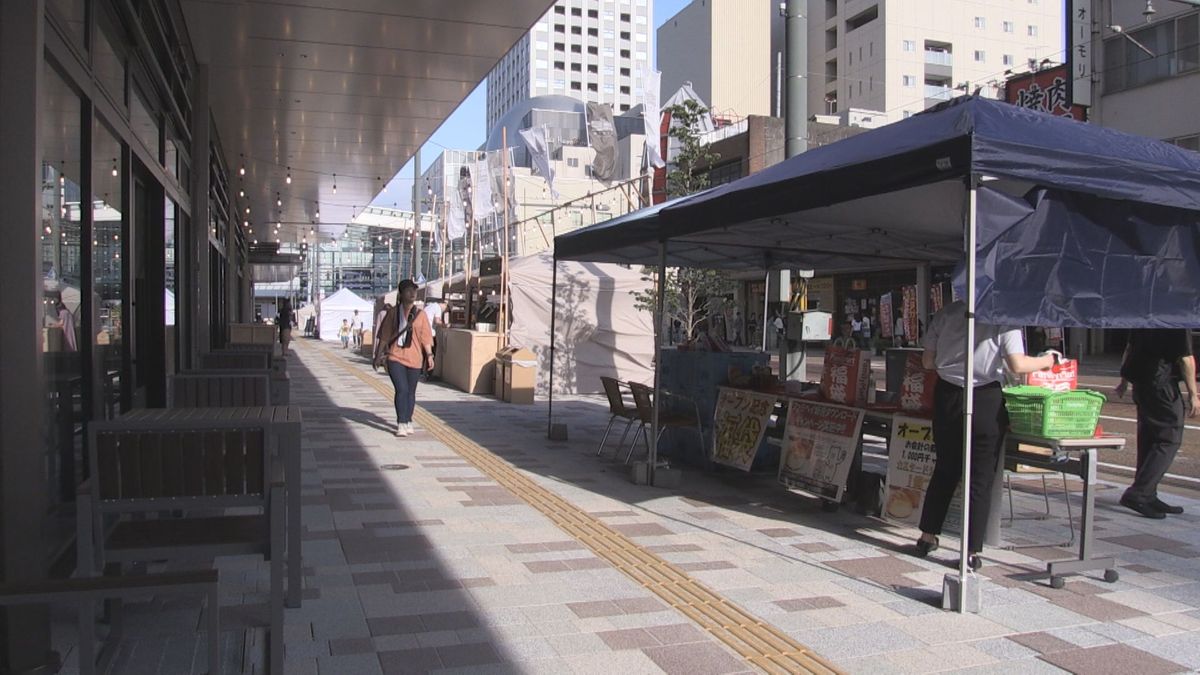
1008	26
108	264
980	22
144	122
1008	59
73	15
1031	30
980	56
909	81
908	45
109	65
62	287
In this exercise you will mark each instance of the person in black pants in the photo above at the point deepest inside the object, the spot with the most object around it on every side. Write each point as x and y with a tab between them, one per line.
945	351
1155	361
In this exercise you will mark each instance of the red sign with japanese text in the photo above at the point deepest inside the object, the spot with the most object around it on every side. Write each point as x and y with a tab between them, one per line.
844	378
909	310
1045	90
916	389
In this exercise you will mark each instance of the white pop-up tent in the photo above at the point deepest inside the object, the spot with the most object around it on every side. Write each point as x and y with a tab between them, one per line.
339	306
600	331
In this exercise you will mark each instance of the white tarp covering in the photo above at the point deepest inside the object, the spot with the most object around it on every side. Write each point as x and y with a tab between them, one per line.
341	305
598	330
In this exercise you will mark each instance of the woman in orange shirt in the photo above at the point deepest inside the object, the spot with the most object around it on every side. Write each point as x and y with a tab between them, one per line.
409	354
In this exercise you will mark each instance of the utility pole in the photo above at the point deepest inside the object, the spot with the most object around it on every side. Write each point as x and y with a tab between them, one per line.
418	197
795	16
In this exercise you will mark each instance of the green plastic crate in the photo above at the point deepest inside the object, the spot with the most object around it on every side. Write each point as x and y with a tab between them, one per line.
1037	411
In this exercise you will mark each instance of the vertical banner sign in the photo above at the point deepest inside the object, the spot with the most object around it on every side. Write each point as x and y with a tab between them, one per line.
885	315
818	447
909	297
1079	43
739	425
911	458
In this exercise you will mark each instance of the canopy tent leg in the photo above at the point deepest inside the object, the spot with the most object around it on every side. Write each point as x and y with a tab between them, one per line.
659	318
968	396
553	315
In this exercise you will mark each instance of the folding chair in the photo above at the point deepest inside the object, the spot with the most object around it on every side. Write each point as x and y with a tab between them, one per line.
617	409
643	399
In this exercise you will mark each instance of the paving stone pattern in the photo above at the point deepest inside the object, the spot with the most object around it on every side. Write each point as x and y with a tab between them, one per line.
430	566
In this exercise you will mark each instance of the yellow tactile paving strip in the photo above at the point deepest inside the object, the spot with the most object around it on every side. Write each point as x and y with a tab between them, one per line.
759	643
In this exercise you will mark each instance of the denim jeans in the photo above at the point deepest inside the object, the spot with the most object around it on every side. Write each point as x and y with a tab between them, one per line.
404	381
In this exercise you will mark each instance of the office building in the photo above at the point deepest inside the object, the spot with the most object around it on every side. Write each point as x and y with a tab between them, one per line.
731	52
591	50
901	57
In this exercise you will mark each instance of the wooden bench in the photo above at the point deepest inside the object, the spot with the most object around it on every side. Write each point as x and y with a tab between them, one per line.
235	360
84	592
218	388
195	468
275	358
281	383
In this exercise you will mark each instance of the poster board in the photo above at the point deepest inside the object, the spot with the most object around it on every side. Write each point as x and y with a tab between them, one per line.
911	459
819	442
739	423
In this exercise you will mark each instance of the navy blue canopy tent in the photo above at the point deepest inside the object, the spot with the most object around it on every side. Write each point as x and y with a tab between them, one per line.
1103	225
1070	224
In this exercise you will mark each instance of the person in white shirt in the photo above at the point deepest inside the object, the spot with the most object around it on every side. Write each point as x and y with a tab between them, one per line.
945	350
435	313
898	332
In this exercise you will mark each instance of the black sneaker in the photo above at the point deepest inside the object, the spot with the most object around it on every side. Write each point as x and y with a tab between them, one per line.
1145	508
1163	507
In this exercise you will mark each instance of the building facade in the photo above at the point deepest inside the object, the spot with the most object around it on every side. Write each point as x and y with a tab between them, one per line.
593	50
902	56
731	52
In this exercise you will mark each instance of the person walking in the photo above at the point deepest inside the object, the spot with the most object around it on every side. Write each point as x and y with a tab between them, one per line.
405	347
344	334
285	320
1155	361
995	348
356	330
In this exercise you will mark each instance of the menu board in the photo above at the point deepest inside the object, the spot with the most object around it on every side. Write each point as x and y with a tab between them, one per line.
819	442
911	459
739	424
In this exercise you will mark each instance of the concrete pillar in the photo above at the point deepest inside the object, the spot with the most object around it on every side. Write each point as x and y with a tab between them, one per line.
25	631
197	279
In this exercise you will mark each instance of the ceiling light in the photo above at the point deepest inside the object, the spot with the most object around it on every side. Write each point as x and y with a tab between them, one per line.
242	169
288	180
278	200
241	193
1149	12
114	169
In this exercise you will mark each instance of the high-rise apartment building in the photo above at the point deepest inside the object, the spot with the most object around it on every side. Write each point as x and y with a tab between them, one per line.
902	56
730	50
592	50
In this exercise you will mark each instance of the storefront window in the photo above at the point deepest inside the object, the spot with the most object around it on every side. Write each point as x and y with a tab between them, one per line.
144	123
109	64
169	286
61	283
108	264
72	15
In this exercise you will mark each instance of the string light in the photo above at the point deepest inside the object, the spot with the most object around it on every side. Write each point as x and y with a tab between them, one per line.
278	200
335	183
241	193
242	170
114	169
288	180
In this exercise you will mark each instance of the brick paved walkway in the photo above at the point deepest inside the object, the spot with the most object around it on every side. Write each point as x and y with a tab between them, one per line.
417	560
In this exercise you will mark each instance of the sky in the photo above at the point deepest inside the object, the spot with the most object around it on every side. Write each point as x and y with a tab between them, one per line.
464	129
